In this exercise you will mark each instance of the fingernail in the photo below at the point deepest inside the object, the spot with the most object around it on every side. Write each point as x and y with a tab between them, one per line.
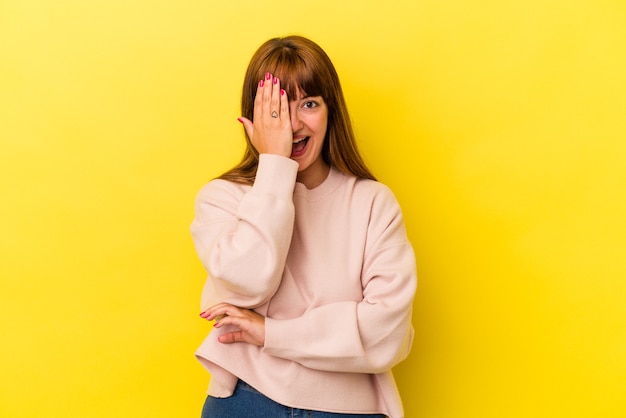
282	92
275	80
240	120
268	76
261	83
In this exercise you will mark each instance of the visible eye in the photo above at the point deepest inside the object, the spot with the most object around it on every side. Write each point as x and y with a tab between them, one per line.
309	104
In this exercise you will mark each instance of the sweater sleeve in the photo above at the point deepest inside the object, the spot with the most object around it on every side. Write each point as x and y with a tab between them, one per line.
242	235
367	336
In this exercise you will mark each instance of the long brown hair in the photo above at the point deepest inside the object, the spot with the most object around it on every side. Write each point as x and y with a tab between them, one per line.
302	66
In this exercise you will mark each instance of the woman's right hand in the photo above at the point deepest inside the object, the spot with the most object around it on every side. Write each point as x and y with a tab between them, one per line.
270	131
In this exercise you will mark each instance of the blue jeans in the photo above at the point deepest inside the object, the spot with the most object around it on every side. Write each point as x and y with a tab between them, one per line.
247	402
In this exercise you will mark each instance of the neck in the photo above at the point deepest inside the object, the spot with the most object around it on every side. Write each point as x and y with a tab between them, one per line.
314	175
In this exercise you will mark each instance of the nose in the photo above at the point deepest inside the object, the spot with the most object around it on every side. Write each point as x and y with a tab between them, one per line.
296	122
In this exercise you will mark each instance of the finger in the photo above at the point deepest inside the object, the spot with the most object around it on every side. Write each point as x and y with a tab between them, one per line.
222	320
217	310
205	313
275	106
210	316
258	99
232	337
247	125
267	95
284	105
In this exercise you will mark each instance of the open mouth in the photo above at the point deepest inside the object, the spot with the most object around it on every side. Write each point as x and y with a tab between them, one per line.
299	145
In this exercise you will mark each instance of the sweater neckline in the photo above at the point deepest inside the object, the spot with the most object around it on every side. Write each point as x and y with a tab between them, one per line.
327	186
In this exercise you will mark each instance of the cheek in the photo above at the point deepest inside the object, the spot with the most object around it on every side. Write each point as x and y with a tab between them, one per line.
325	133
322	125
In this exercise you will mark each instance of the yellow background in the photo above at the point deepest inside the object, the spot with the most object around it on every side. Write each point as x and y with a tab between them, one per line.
500	125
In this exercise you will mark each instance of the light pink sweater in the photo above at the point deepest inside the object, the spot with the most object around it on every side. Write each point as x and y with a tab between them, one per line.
333	273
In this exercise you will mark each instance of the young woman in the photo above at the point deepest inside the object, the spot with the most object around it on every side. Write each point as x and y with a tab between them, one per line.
311	277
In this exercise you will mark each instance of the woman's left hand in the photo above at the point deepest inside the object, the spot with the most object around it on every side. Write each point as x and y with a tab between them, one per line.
251	325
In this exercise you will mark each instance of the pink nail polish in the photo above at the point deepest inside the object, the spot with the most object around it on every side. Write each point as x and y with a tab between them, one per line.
282	92
275	80
240	120
261	83
268	76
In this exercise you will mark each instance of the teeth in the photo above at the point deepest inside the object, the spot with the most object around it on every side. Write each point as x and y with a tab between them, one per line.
295	141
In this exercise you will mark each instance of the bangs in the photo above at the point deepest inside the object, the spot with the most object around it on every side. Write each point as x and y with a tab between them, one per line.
297	77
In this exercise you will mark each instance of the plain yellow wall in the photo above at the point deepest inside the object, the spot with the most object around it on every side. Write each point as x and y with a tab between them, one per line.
500	125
